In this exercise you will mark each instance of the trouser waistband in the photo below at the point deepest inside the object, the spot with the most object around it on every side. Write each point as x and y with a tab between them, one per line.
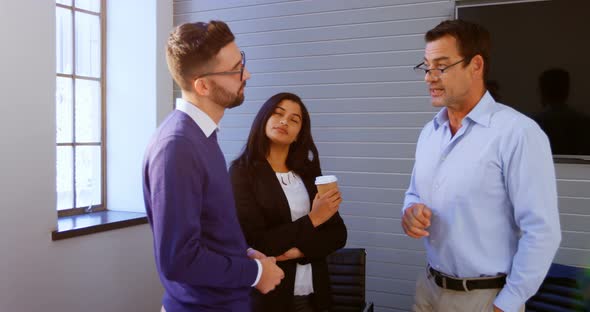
467	284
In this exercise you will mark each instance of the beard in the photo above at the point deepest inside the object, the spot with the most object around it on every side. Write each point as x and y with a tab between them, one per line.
226	98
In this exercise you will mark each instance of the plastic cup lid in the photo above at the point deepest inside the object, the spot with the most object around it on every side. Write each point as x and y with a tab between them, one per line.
325	179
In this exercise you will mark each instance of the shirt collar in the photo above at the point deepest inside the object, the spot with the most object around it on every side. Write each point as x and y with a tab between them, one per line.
481	112
202	120
440	118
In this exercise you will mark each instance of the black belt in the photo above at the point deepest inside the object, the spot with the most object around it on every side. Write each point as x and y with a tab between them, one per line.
449	282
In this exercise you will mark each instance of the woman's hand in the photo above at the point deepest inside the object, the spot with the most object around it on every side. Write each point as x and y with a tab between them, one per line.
293	253
325	206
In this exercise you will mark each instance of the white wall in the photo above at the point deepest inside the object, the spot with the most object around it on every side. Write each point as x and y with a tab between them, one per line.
139	92
111	271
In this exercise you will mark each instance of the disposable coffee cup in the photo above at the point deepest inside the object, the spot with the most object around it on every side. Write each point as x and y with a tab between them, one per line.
326	183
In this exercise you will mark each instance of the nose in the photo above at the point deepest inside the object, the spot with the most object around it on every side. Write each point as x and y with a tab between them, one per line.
283	122
429	77
246	74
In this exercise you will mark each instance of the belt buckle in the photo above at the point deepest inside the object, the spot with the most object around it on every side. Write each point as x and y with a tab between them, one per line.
465	286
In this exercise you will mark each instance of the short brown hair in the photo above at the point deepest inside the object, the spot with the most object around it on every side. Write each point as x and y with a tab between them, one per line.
192	46
472	39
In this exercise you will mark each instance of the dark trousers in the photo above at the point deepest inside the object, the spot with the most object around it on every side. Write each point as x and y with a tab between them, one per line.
302	304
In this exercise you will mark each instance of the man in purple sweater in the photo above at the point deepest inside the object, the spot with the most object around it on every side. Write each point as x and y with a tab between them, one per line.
200	251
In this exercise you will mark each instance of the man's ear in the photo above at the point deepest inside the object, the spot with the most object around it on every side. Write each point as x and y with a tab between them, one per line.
201	87
477	65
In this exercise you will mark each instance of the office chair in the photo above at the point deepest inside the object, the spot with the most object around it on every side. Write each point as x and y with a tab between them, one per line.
564	289
347	279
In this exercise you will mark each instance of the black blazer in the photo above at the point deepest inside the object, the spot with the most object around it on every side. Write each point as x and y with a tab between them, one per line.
265	217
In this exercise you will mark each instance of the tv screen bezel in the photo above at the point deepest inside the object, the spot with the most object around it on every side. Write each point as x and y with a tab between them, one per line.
557	158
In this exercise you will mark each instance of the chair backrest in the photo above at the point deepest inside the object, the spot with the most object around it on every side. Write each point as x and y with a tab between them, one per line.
565	289
347	277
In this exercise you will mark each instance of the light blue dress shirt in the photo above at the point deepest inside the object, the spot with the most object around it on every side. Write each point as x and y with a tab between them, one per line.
492	191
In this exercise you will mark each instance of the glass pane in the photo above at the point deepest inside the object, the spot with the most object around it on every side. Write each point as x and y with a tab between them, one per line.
63	37
88	176
65	178
87	45
64	110
90	5
66	2
88	112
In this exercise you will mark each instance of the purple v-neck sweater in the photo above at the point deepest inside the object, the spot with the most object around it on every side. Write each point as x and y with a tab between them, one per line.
199	247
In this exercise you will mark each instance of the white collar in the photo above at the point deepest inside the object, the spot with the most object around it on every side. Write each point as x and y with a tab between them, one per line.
201	118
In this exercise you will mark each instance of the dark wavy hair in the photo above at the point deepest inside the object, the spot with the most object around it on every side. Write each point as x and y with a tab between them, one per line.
303	156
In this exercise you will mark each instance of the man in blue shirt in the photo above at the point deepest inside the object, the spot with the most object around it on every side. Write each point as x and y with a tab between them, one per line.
200	251
483	192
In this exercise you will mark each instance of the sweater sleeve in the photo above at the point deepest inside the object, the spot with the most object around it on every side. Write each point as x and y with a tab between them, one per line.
177	179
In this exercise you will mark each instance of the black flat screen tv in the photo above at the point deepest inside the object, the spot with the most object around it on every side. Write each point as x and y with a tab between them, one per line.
540	65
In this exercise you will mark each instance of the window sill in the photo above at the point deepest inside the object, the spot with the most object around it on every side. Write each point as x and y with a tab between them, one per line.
96	222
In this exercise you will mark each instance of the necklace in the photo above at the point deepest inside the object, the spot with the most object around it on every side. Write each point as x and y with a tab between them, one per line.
286	178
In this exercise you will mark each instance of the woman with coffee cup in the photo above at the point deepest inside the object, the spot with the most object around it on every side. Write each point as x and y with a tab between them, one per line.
280	211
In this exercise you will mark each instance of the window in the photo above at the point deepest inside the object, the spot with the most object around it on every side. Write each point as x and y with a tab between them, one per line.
80	108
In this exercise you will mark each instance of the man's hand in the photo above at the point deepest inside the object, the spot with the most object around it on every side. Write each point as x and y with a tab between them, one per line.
255	254
293	253
496	309
416	219
271	275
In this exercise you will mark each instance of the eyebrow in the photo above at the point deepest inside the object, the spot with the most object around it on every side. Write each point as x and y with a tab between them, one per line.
293	114
438	59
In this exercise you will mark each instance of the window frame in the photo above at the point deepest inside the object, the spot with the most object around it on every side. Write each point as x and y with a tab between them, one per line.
102	81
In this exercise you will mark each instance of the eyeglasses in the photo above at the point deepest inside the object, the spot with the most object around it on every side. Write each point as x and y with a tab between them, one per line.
434	72
231	72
